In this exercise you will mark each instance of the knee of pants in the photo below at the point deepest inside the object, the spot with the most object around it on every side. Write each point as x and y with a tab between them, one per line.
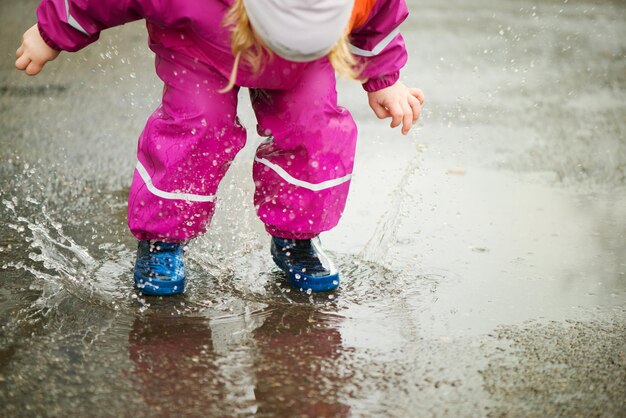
302	189
181	164
314	153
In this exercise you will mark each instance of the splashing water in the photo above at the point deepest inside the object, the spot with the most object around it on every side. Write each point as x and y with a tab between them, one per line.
386	229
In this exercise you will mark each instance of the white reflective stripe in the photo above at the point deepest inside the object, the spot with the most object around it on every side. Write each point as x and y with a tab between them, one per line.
169	195
70	19
311	186
378	48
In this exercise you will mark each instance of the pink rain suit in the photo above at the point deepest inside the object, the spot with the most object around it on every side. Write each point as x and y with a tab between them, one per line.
301	172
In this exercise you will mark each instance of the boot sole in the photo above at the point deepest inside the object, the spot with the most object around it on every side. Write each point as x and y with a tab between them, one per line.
304	282
156	287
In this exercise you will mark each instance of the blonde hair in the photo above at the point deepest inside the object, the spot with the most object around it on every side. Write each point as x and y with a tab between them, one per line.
247	45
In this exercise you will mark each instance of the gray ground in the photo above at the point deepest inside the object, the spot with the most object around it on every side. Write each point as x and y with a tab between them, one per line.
484	255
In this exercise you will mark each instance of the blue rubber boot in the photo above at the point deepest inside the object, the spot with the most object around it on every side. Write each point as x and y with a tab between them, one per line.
159	269
305	263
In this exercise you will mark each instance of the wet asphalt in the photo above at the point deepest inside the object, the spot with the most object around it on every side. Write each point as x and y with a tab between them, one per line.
484	255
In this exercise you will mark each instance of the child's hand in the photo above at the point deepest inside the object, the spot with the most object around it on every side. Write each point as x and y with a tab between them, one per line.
402	104
34	52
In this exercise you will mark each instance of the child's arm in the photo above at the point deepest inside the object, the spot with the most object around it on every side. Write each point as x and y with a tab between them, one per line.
377	42
70	25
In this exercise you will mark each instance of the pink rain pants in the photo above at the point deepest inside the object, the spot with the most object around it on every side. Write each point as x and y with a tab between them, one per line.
301	173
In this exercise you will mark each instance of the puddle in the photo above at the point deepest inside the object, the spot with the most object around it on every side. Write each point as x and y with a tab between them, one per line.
492	232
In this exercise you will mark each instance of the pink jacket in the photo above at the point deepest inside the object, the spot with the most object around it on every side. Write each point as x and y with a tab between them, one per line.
70	25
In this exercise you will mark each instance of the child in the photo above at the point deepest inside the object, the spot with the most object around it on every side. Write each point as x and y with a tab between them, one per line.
284	51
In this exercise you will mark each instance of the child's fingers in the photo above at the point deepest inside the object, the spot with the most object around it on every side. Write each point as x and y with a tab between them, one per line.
416	108
407	118
418	94
33	68
19	51
22	62
379	110
395	110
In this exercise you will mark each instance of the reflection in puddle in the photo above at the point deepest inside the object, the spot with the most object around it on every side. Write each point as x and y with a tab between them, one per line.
273	362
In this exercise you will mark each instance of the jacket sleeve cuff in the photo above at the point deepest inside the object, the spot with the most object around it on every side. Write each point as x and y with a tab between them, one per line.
47	39
379	83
